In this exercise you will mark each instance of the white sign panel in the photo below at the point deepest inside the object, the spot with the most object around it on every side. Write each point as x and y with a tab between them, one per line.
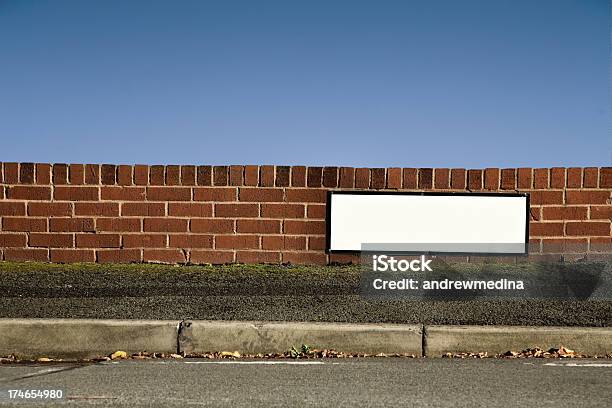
432	222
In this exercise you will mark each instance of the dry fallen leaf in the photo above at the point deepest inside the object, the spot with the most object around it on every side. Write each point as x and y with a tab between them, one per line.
118	355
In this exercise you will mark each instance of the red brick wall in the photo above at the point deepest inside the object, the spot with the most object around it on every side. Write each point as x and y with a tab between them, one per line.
251	214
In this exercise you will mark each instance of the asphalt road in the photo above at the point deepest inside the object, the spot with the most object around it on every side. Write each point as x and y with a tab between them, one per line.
340	382
255	293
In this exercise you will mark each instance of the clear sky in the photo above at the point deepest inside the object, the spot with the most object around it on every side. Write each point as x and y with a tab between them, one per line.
471	83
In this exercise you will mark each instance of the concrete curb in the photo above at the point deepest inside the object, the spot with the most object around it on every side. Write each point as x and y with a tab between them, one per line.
86	338
499	339
278	337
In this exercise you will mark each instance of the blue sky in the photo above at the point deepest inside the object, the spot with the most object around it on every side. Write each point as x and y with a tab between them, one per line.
361	83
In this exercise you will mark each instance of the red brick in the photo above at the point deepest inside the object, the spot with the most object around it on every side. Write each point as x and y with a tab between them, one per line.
29	254
76	193
590	177
475	179
124	175
72	255
119	224
141	175
540	178
143	209
236	210
508	179
282	210
119	255
43	173
24	224
97	209
98	240
308	195
281	242
71	224
26	173
557	177
601	244
215	194
603	212
50	209
258	226
298	176
316	211
191	241
378	178
491	176
173	175
442	179
168	193
204	175
564	245
330	177
28	193
574	177
546	229
166	225
546	197
211	257
410	178
266	176
212	225
605	177
190	209
535	213
262	195
50	240
304	227
108	174
12	208
316	243
347	177
394	178
236	175
144	241
92	174
60	173
255	257
307	258
156	175
425	178
76	174
588	229
11	173
362	178
524	178
12	240
458	179
220	176
188	175
251	175
282	176
169	256
587	197
565	213
119	193
315	177
236	242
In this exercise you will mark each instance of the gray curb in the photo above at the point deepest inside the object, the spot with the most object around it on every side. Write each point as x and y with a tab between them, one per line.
81	338
278	337
499	339
84	338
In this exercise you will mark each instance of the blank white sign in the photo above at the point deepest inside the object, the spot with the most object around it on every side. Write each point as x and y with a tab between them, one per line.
470	223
